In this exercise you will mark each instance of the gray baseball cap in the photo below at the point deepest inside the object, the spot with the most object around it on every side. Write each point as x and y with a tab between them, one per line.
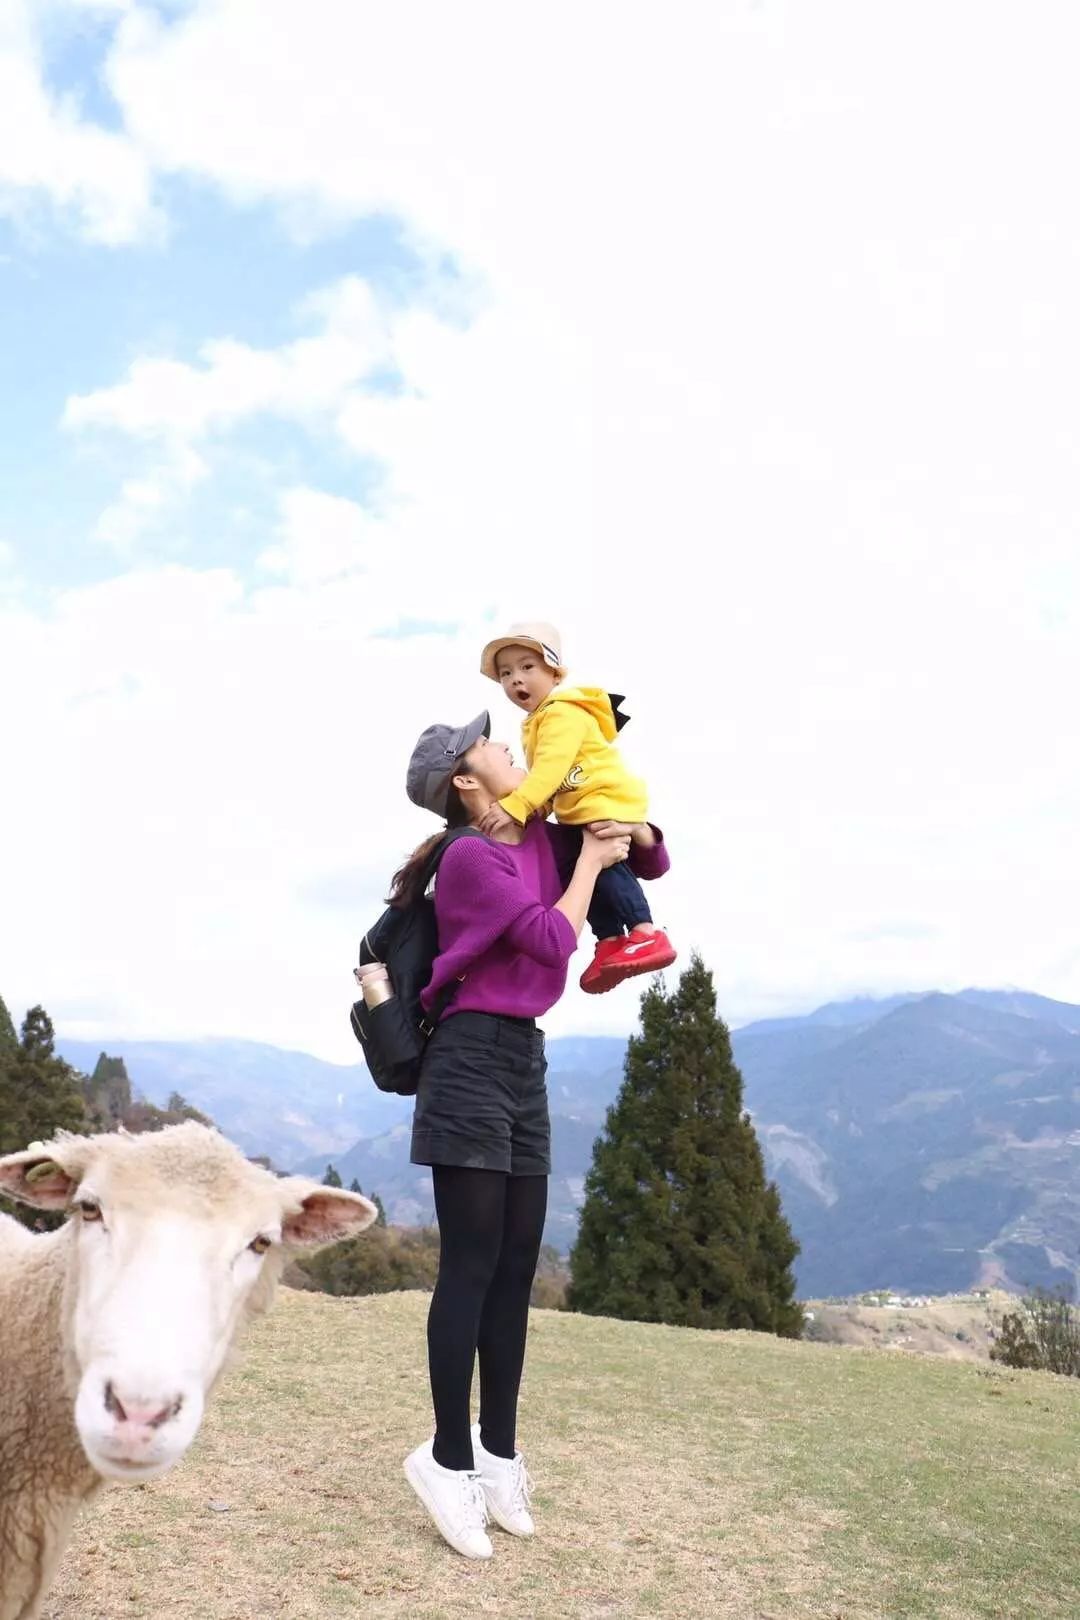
435	760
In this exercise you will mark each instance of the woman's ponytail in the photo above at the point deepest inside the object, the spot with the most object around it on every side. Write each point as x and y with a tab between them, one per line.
405	885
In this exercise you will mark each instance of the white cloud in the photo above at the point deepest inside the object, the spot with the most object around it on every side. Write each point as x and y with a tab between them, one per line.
175	408
770	404
739	297
11	580
124	521
214	756
322	537
104	7
222	762
49	151
142	503
170	400
455	447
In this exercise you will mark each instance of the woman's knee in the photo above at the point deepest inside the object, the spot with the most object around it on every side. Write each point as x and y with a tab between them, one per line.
468	1269
517	1262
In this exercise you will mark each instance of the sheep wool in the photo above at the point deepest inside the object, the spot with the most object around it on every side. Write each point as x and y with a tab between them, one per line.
179	1198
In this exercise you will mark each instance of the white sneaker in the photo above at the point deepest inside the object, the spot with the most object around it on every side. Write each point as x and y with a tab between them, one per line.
506	1488
454	1499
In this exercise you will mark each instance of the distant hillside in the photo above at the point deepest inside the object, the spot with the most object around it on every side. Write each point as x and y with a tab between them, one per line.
929	1149
924	1143
286	1104
961	1327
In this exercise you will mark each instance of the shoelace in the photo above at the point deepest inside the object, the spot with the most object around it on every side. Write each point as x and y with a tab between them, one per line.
520	1485
473	1505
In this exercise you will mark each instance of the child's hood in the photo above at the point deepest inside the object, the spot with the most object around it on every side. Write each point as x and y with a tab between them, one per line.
595	701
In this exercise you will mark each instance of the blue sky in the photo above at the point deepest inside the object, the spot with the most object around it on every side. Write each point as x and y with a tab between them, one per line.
321	352
73	315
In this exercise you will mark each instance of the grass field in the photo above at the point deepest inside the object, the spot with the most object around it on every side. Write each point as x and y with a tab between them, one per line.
677	1473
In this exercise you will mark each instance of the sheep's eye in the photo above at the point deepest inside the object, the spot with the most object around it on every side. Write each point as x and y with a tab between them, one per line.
260	1245
88	1209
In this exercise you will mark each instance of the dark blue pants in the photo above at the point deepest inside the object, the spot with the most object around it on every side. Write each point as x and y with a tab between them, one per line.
618	902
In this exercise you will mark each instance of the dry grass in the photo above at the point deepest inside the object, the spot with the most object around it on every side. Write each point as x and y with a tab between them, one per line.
677	1473
957	1328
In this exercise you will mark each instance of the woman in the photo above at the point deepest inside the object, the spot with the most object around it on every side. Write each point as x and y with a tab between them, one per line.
508	924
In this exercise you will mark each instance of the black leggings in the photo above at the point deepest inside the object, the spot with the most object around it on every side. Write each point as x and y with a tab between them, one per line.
490	1228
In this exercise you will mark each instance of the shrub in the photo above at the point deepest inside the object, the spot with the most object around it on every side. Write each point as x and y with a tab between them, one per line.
1043	1335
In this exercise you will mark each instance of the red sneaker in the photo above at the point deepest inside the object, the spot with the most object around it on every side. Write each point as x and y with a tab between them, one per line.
596	979
645	950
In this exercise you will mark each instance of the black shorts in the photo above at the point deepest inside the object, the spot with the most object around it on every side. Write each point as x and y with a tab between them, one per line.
482	1098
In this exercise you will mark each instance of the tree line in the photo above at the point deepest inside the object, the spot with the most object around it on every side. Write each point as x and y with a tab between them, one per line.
41	1094
333	1179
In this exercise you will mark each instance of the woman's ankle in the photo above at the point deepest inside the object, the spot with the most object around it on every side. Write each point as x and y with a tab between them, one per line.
458	1459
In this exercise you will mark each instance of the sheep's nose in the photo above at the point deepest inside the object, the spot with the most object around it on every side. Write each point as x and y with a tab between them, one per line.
140	1414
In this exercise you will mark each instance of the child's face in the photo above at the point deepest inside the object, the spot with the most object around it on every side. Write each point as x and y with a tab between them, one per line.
524	677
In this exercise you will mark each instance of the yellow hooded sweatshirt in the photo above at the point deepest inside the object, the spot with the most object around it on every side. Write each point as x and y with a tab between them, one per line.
568	750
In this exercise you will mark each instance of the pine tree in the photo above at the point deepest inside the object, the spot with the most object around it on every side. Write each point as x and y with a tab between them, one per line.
40	1094
37	1037
46	1092
355	1187
679	1223
178	1109
12	1111
108	1093
8	1038
141	1115
331	1178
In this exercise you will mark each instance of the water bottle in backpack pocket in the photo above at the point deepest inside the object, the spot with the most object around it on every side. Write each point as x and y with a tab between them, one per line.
392	1027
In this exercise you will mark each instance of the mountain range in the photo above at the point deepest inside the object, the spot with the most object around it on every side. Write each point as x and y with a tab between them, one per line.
921	1142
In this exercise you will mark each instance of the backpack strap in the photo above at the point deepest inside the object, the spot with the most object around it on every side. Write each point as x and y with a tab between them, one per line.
430	1021
446	995
449	837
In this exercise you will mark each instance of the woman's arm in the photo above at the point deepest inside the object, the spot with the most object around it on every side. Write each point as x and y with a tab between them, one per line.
479	898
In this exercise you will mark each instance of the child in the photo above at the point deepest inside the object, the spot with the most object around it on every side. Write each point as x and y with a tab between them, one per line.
573	768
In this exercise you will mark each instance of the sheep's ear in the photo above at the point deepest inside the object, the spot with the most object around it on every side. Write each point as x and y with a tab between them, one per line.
35	1178
324	1215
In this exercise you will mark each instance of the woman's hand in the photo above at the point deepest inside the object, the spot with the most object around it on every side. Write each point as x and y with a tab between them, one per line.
604	849
639	831
595	855
495	819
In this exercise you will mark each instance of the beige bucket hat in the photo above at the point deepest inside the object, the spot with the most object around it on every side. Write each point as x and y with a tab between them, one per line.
542	638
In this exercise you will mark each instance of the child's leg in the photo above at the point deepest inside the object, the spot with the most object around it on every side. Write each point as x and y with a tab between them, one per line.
628	944
618	903
567	849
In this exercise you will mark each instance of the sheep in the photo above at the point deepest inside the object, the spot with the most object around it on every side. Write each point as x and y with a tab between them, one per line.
115	1328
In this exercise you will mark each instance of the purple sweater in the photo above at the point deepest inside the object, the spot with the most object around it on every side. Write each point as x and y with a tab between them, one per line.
498	929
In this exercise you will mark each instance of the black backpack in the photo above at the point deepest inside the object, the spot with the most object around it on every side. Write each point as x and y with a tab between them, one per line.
395	1032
